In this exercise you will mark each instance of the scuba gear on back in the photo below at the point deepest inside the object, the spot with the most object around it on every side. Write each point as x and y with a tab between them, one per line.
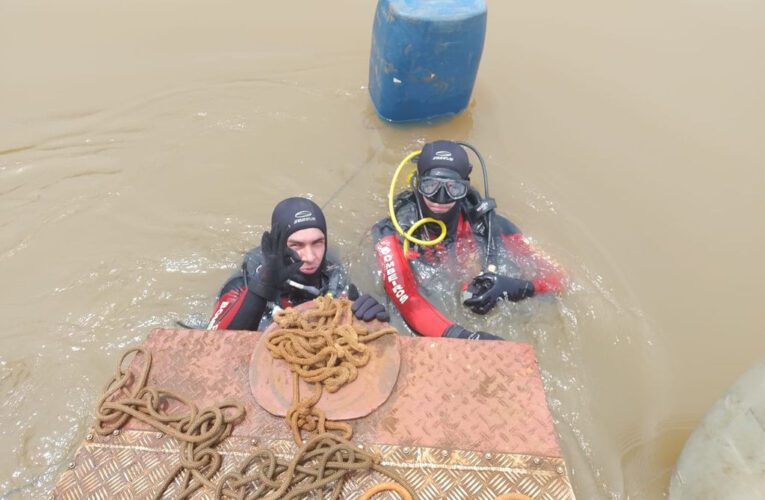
485	209
477	208
478	239
408	235
437	162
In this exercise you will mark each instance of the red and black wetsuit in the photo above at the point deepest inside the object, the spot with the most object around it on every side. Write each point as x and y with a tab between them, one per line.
239	308
468	239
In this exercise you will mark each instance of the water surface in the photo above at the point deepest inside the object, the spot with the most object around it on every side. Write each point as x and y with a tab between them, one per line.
143	145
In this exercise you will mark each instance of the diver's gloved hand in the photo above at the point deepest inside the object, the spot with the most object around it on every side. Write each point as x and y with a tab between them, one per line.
488	288
457	332
279	263
366	307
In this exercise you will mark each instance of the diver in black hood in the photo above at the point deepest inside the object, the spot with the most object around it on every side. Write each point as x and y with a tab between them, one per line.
441	190
290	267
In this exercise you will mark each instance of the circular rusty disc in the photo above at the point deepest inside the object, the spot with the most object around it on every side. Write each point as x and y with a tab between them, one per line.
271	379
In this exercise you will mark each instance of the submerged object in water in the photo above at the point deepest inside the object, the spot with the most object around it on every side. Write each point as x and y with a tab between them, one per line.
425	57
725	455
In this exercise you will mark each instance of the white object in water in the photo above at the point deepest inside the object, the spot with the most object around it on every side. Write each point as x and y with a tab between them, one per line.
725	456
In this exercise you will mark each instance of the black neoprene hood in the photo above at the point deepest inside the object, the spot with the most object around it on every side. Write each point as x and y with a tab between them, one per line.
444	155
298	213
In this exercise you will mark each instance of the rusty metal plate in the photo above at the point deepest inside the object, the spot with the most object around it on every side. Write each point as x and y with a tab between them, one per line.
450	393
469	395
466	419
133	464
271	379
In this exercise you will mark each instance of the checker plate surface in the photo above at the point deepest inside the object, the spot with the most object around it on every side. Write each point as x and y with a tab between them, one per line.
134	463
466	420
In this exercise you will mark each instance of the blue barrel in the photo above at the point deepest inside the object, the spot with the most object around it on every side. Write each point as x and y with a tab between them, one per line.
425	56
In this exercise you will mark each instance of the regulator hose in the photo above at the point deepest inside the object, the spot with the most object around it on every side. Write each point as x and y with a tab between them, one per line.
408	235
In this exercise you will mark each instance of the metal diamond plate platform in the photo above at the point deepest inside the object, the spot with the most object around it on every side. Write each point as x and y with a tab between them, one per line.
466	420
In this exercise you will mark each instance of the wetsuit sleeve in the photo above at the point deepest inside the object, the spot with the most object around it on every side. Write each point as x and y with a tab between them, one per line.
548	275
237	308
401	287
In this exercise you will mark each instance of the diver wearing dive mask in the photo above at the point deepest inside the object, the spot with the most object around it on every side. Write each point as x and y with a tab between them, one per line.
442	181
441	190
442	186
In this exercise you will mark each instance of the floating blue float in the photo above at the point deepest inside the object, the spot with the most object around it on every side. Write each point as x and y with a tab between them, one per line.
425	57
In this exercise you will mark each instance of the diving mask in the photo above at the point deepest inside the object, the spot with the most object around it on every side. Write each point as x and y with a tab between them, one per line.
436	186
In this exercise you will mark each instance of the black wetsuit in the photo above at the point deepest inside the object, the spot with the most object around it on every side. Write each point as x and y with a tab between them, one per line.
238	308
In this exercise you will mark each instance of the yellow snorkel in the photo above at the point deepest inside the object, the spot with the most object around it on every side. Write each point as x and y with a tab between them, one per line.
408	235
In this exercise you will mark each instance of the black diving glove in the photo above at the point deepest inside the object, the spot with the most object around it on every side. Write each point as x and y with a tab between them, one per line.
488	288
457	332
366	307
279	263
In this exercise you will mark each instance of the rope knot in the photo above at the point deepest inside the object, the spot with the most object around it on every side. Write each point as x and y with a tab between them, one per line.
323	346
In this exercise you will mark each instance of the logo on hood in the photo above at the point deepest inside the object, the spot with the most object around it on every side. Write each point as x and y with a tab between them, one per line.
303	216
443	155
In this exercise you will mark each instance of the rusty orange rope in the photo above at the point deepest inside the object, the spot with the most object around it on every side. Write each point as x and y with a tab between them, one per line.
303	416
322	460
323	346
198	431
379	488
325	459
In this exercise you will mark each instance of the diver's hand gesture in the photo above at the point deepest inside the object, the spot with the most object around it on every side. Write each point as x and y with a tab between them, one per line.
488	288
279	263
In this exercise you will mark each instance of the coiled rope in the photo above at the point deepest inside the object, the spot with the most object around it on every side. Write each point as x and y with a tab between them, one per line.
323	346
324	459
198	431
379	488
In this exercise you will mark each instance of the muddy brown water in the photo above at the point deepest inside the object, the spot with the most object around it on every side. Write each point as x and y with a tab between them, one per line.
143	145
